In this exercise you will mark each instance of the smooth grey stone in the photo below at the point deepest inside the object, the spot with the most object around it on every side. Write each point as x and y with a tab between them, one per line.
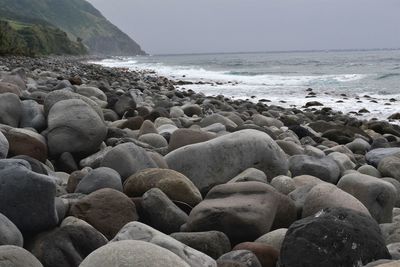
9	233
369	170
245	258
32	116
284	184
13	256
10	109
273	238
99	178
129	253
250	174
162	213
374	156
218	160
26	197
4	146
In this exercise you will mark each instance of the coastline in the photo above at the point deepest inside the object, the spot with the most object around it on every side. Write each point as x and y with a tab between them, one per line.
121	157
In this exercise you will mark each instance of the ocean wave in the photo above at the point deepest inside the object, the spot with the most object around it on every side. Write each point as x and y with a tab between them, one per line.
388	75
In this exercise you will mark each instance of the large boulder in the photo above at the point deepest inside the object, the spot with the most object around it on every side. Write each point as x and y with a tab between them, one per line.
127	159
139	231
220	159
107	210
130	253
9	233
174	184
333	237
13	256
10	109
4	146
324	168
253	207
377	195
73	126
26	197
326	195
67	246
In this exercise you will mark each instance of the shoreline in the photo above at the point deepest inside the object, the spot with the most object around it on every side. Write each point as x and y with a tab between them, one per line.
113	165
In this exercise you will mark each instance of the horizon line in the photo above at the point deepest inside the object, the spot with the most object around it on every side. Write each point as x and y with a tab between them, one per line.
279	51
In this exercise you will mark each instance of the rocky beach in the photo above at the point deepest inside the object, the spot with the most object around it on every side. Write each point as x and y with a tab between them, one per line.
111	167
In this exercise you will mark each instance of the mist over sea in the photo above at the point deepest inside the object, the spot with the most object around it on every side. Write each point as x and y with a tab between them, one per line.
340	79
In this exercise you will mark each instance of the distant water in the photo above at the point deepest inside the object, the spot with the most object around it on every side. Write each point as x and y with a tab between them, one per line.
285	76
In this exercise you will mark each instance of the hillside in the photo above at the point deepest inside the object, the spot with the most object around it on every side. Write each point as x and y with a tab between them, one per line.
78	18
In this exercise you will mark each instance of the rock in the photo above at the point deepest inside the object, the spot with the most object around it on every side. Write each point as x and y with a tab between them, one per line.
147	128
192	109
382	263
13	256
359	146
212	243
290	148
153	139
9	88
127	159
343	161
4	146
396	184
283	184
73	126
390	166
218	160
394	116
394	250
239	258
217	118
183	137
26	142
267	255
27	198
67	246
139	231
133	123
176	112
124	104
107	210
313	104
253	207
250	174
369	170
10	109
327	195
324	168
374	156
264	121
9	233
99	178
161	212
174	184
273	238
333	237
130	253
32	116
91	92
378	196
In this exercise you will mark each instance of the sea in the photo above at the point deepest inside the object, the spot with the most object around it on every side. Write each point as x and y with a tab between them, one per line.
347	81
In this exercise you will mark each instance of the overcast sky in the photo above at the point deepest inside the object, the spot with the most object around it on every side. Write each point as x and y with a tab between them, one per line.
196	26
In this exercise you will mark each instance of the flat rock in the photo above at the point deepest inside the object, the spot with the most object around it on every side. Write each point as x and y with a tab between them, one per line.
333	237
219	160
139	231
130	253
174	184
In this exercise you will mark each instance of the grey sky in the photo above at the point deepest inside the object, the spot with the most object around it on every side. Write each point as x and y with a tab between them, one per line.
195	26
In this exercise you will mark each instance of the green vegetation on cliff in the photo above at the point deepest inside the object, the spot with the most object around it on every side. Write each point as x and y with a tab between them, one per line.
78	18
17	38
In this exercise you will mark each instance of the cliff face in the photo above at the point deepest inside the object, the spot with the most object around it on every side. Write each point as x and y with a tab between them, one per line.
78	18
